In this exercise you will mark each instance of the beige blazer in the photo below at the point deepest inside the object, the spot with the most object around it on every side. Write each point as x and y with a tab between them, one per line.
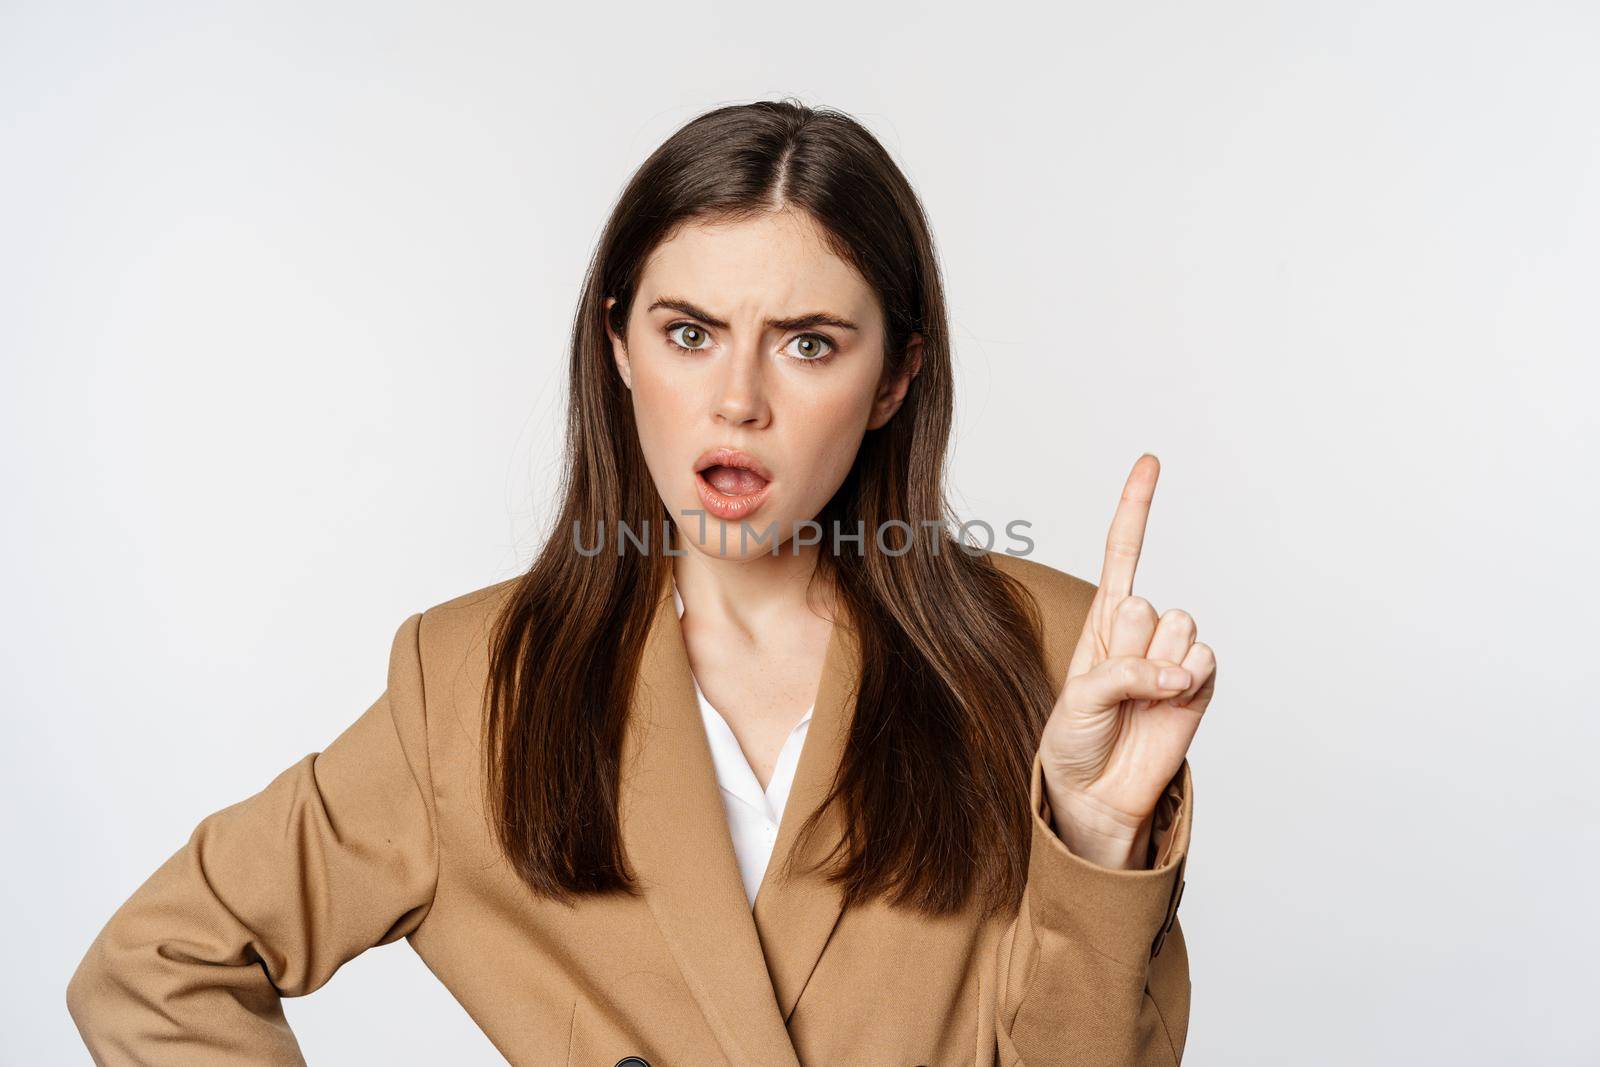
382	836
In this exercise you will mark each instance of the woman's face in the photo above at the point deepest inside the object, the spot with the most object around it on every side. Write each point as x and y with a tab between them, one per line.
753	336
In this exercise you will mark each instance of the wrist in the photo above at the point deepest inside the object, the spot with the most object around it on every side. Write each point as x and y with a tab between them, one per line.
1103	838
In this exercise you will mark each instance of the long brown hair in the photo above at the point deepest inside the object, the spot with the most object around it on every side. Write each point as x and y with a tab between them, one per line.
953	691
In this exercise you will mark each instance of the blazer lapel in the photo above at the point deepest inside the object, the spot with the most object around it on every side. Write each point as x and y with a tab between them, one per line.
675	833
795	913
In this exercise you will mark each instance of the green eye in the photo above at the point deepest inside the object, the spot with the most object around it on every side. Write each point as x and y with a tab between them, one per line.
811	348
694	337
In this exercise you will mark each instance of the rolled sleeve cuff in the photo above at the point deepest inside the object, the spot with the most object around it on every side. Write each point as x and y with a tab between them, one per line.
1122	914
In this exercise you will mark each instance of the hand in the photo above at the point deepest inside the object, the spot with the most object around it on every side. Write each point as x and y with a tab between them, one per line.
1118	732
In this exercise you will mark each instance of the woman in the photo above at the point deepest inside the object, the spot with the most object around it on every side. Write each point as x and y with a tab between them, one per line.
967	768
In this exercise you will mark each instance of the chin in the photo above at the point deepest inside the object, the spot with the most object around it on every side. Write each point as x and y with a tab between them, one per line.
721	536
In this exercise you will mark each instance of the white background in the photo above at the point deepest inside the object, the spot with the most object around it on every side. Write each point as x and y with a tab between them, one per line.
284	301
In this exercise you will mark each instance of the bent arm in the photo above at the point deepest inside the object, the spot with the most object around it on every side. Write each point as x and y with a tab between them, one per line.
1094	972
269	897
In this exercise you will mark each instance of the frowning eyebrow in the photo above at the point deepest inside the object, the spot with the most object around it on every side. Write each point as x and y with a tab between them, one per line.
798	322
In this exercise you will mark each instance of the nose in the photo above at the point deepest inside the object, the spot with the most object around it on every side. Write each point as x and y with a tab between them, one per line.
741	398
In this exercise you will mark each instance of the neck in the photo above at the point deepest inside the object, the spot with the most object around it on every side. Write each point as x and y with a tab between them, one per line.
750	595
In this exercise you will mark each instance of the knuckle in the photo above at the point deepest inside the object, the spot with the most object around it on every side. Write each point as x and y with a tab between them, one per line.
1136	607
1179	619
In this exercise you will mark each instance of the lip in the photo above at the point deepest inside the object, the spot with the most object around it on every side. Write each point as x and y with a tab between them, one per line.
724	507
730	457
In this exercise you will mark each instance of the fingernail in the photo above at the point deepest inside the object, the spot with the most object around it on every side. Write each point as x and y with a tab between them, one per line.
1174	678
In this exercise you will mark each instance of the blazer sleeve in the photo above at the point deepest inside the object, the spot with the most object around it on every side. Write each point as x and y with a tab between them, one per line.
1094	970
270	896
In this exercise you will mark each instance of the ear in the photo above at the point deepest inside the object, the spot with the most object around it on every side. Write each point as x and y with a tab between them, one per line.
619	344
892	392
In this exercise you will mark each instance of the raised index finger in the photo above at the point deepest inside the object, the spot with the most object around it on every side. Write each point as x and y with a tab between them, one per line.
1127	529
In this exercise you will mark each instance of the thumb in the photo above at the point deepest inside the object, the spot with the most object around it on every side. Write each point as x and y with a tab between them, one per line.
1127	678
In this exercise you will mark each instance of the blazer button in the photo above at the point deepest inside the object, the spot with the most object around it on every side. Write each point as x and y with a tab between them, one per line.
633	1061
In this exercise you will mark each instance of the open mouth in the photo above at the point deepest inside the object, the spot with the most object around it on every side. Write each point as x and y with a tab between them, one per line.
732	484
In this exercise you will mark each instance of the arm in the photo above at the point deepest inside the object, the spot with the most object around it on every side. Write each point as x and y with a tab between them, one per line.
1094	970
270	896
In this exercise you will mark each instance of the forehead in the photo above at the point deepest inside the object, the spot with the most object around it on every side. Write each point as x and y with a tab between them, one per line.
776	264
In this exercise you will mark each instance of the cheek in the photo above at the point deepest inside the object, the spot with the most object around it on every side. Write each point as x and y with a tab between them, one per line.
831	427
664	420
661	407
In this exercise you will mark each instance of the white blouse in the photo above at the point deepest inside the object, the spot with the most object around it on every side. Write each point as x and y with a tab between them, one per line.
753	813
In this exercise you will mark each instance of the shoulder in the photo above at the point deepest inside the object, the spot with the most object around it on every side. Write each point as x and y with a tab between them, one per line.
469	609
455	632
1061	599
1045	582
